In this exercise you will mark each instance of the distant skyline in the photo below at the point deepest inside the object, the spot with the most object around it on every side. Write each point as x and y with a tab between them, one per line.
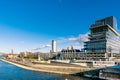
29	24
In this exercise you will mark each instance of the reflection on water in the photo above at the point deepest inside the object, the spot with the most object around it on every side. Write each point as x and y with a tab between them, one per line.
11	72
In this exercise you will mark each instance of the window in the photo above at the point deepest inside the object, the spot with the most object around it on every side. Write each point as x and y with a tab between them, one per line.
109	49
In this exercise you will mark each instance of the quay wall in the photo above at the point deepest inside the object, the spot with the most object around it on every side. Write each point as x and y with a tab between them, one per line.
60	69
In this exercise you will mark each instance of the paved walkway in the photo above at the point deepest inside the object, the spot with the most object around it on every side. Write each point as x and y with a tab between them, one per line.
50	67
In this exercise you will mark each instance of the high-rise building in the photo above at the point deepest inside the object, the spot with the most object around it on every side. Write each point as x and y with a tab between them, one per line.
54	46
103	38
111	21
12	51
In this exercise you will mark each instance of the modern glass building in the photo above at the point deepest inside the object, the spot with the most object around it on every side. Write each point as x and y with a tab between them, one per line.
103	38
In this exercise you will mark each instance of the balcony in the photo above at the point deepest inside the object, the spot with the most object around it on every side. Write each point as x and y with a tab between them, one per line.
103	32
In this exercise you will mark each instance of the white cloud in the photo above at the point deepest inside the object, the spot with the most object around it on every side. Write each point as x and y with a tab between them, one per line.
72	39
62	40
42	47
78	47
80	39
76	42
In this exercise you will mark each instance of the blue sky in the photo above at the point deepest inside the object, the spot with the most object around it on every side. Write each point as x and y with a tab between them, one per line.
29	24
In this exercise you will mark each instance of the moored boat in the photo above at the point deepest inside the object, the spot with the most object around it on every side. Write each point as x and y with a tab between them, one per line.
110	73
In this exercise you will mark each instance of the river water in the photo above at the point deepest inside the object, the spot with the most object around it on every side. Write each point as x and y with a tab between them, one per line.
12	72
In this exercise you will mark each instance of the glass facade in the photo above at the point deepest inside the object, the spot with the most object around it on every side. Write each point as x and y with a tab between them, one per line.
113	43
103	37
109	20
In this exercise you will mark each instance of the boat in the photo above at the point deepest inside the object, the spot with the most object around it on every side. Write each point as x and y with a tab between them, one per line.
110	73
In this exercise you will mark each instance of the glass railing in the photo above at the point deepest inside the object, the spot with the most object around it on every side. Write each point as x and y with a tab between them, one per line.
98	24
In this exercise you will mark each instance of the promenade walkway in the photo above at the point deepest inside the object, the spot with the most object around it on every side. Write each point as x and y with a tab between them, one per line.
50	67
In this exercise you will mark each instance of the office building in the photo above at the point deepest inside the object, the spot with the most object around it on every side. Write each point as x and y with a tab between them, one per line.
12	51
54	46
103	38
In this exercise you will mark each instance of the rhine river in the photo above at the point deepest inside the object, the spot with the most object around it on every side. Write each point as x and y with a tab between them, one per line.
12	72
